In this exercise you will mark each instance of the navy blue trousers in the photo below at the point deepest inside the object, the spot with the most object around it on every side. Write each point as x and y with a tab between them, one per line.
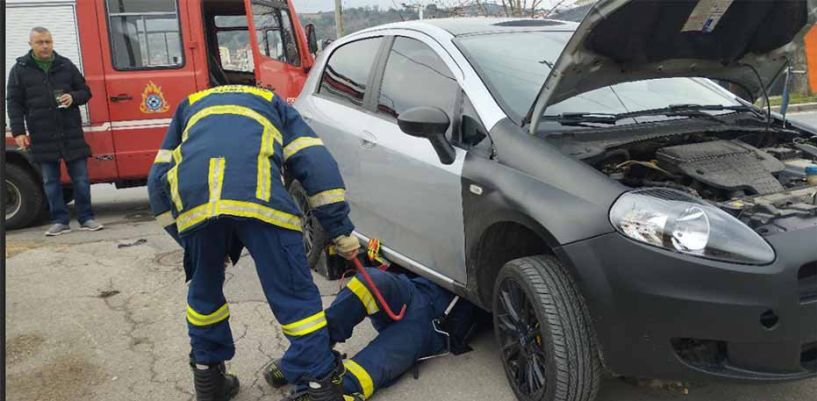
287	283
399	344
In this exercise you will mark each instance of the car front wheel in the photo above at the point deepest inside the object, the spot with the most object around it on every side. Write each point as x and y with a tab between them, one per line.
315	237
543	329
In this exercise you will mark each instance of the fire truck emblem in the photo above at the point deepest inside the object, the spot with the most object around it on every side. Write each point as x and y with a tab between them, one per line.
153	100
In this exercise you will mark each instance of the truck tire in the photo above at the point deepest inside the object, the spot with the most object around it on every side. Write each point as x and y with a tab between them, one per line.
315	237
543	329
67	195
25	198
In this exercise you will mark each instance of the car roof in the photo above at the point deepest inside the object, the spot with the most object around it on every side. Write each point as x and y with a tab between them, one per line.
477	25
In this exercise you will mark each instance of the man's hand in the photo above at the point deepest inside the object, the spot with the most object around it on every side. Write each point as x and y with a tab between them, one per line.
66	100
23	141
347	246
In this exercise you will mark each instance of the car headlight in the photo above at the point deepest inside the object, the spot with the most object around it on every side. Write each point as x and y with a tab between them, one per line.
679	222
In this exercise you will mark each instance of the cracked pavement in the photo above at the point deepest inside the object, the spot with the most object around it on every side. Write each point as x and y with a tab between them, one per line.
88	320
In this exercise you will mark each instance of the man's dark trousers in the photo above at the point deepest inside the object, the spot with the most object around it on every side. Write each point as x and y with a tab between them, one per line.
78	171
283	270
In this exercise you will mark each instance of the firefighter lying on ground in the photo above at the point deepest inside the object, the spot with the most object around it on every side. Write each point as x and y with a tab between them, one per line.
436	322
216	187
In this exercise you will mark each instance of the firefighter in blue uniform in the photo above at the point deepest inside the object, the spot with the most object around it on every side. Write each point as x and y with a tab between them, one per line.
435	323
217	186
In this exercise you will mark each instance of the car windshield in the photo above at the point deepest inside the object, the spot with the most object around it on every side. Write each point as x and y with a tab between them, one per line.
514	67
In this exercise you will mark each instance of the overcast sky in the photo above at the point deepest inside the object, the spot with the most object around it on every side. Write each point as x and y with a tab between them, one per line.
310	6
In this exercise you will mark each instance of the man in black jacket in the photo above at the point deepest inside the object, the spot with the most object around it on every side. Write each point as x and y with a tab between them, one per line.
44	93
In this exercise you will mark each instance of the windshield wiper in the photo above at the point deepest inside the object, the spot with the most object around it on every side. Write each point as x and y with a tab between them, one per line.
675	110
686	110
582	118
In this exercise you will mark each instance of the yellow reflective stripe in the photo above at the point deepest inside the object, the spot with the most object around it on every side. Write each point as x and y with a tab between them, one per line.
239	209
166	219
263	184
327	197
306	326
363	295
347	397
300	144
362	376
173	180
216	182
263	93
163	156
198	319
235	110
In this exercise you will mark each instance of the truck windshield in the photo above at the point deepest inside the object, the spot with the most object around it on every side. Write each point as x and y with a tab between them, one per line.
515	73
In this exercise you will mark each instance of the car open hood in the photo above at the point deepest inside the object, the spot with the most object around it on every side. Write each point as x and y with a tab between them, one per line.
631	40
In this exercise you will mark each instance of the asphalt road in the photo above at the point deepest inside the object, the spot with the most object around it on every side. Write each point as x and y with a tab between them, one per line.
100	316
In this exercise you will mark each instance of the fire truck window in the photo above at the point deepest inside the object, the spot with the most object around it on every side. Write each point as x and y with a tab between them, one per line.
144	34
276	38
347	71
235	51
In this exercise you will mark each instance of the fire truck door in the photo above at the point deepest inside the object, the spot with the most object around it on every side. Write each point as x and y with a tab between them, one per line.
148	71
279	62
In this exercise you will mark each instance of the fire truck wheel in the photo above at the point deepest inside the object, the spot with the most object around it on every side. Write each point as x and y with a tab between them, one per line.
24	197
315	238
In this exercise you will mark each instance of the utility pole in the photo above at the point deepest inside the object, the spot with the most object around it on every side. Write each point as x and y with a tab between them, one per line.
338	19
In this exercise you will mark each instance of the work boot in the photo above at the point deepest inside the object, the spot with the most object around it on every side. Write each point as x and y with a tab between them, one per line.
329	388
274	375
213	383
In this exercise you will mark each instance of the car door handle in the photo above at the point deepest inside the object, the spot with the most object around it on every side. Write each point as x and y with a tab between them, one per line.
367	140
121	97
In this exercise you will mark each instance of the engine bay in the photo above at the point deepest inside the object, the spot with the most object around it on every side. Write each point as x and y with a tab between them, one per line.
758	175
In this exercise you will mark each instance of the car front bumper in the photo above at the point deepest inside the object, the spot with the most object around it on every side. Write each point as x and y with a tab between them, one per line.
666	315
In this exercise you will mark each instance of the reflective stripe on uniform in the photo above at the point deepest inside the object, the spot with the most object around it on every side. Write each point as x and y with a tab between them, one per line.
263	185
173	181
263	93
305	326
216	182
300	144
166	219
163	156
198	319
234	110
363	295
362	376
327	197
266	150
239	209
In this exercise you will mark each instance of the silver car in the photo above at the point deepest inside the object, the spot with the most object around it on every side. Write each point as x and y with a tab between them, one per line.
593	185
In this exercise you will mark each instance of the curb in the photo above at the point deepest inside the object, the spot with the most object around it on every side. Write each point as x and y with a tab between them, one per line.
797	108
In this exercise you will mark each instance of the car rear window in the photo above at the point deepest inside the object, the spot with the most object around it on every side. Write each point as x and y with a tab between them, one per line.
347	72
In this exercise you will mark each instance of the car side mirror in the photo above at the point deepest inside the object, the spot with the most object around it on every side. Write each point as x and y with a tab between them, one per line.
311	38
430	123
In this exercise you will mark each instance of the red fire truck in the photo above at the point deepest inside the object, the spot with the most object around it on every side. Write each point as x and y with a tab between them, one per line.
141	58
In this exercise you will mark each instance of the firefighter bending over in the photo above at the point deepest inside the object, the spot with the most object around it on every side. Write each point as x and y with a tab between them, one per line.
216	186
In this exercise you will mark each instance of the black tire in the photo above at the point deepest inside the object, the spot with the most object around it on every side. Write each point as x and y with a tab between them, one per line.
315	237
551	341
25	198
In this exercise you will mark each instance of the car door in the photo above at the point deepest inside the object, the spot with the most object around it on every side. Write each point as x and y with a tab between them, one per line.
417	209
336	112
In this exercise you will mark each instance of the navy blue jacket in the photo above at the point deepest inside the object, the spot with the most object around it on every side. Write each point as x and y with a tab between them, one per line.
224	155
